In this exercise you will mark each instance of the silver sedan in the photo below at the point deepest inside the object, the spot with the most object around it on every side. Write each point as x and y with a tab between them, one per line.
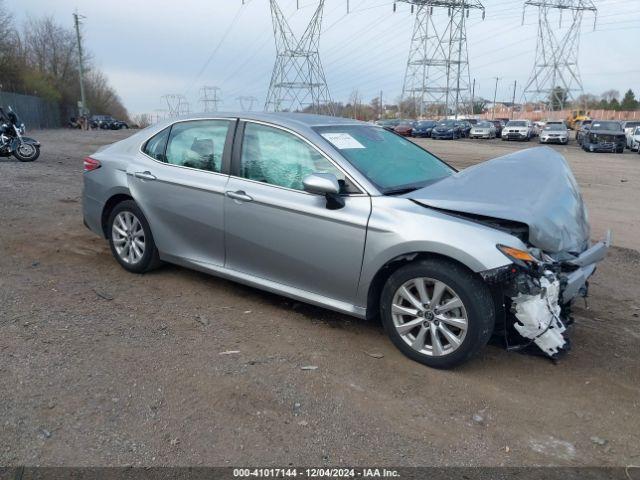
555	133
483	130
351	217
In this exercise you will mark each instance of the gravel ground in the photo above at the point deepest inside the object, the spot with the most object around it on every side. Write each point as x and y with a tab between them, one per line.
101	367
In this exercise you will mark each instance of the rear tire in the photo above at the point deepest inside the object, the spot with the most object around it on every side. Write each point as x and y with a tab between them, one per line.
474	306
131	240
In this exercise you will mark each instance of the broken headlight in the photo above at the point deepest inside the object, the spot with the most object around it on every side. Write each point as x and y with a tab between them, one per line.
517	256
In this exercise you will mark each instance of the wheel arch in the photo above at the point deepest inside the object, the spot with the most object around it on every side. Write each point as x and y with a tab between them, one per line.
109	205
379	279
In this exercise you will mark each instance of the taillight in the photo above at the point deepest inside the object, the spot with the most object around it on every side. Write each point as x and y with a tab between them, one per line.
91	164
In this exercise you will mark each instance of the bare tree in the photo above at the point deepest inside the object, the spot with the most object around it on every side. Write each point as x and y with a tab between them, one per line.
10	64
610	95
42	60
101	97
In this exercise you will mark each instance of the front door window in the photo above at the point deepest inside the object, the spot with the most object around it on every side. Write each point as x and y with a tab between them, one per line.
276	157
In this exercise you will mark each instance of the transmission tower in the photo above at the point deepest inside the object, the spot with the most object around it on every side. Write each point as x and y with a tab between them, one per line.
555	76
210	98
298	82
437	75
177	105
246	103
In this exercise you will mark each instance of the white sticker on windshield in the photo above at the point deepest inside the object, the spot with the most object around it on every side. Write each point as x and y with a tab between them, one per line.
342	141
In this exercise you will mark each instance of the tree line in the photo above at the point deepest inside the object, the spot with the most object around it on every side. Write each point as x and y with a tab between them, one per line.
40	57
609	100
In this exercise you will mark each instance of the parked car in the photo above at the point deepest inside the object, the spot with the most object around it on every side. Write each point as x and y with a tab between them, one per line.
447	129
483	130
423	128
107	122
537	127
555	133
604	136
635	139
405	128
348	216
389	124
465	127
499	124
517	130
629	128
582	129
557	122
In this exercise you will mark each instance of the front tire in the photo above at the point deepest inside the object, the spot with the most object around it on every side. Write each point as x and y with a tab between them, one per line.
27	152
437	312
131	240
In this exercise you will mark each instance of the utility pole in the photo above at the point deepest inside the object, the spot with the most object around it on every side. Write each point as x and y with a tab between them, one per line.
495	93
513	101
83	100
381	106
473	96
555	75
437	72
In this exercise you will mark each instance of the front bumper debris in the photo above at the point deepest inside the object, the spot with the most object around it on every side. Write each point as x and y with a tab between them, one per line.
538	301
539	316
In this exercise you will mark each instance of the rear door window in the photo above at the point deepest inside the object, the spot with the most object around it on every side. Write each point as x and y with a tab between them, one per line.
157	144
198	144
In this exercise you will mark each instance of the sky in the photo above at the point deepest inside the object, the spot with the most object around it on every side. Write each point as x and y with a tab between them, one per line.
149	48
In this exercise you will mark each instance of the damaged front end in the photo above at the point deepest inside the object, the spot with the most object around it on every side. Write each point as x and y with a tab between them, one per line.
536	293
533	196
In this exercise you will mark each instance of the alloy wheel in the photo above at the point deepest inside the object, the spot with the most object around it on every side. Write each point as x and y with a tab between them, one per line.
128	237
429	316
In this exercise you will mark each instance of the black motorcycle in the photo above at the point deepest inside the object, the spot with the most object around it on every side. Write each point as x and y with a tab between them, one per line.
12	139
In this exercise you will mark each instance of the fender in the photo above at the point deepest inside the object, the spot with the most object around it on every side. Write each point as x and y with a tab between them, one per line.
15	141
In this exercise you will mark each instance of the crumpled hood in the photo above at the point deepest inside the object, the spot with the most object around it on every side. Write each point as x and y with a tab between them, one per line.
534	186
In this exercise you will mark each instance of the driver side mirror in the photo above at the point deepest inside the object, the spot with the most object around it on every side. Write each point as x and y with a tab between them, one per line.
325	184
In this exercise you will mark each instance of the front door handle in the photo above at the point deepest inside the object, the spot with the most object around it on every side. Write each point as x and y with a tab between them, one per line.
145	175
240	195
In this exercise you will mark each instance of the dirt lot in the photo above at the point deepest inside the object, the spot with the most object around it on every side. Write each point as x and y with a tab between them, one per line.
101	367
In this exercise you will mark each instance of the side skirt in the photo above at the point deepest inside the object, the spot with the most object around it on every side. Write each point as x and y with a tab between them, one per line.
269	286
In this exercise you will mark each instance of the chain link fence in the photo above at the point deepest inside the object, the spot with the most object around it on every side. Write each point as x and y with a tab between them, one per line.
33	111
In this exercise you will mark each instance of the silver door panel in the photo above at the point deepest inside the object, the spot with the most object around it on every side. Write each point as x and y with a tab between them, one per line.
184	207
290	237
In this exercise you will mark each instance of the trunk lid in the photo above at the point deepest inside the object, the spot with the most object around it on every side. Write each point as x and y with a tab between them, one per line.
534	186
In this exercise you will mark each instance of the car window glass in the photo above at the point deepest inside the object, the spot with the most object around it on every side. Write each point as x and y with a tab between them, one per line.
156	145
198	144
276	157
387	160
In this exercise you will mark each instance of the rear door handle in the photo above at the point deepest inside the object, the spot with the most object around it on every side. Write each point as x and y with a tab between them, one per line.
145	175
240	196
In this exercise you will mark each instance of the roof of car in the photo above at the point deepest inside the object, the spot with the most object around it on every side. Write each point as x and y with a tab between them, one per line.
286	119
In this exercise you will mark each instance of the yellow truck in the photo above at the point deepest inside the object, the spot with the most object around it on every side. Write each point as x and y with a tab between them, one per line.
577	116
